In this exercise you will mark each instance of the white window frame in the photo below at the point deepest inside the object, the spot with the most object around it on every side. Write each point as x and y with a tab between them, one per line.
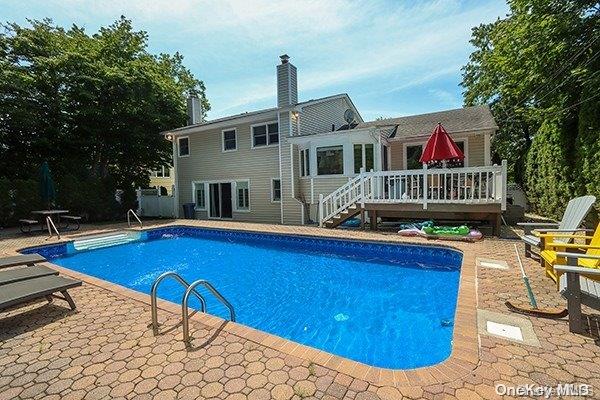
363	150
194	185
235	199
317	160
162	171
179	139
273	190
223	140
268	143
304	153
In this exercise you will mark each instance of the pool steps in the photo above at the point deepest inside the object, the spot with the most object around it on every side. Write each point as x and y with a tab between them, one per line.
98	242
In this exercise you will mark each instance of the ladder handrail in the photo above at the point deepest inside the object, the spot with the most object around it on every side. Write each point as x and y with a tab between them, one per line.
153	295
184	305
130	211
50	224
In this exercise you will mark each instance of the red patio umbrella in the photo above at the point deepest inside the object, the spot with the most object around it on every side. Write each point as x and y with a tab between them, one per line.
440	147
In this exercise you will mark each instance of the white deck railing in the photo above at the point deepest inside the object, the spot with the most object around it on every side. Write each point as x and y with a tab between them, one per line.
472	185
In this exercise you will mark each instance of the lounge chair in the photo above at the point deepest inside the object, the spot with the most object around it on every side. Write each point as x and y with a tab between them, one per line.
550	255
23	274
579	285
31	289
25	259
575	212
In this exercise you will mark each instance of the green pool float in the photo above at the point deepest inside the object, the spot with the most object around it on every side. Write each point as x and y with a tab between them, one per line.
462	230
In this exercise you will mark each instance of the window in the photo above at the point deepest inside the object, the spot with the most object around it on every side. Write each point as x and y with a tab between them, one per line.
243	195
413	154
163	172
461	163
305	162
363	157
199	195
275	190
229	140
183	143
265	134
330	160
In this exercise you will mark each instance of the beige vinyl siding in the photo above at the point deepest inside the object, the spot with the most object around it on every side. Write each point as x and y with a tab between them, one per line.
318	118
207	162
324	186
292	209
476	151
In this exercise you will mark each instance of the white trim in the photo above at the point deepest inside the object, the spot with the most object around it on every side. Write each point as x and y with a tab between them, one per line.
487	152
179	147
235	200
194	190
223	140
176	180
266	125
280	169
273	191
292	170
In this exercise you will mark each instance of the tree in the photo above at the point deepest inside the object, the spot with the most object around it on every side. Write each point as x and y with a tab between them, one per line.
536	69
92	105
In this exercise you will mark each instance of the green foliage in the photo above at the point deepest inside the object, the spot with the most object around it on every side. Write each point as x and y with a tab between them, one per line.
587	157
25	198
538	69
548	158
6	205
91	105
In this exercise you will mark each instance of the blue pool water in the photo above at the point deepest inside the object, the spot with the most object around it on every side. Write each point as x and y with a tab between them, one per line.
384	305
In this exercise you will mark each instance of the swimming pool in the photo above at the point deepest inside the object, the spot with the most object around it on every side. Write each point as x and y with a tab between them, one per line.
385	305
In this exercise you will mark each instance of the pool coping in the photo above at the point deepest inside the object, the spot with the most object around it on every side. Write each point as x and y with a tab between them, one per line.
463	359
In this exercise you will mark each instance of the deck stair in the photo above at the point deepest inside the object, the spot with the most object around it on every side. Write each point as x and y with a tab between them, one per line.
107	240
343	216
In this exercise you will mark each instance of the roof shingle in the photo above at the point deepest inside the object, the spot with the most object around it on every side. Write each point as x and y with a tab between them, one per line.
459	120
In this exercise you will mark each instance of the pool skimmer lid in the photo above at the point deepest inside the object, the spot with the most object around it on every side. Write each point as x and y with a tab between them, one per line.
504	330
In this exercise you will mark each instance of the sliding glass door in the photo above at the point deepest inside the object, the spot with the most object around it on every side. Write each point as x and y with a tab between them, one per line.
220	200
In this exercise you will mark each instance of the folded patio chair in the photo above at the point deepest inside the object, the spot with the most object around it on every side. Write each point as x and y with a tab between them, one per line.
24	259
579	285
31	289
22	274
551	253
575	212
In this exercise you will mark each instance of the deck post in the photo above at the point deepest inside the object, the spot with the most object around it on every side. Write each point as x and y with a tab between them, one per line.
373	220
362	187
321	210
425	186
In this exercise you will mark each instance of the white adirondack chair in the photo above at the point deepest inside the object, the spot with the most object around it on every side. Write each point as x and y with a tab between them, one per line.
574	214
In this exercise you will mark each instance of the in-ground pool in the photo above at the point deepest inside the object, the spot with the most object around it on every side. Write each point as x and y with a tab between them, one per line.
385	305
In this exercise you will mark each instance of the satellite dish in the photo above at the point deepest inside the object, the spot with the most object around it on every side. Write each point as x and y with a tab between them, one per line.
349	116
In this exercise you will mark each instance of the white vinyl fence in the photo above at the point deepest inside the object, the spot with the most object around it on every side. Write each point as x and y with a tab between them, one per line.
152	204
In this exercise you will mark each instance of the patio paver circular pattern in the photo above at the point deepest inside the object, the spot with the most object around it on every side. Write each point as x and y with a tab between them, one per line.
106	350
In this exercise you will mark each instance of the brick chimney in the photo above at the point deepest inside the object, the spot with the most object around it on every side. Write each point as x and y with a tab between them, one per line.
287	83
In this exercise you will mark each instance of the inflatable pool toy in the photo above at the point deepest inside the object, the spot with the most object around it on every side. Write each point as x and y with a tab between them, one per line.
447	230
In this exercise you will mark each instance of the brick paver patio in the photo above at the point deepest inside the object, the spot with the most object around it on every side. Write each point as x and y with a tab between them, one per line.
105	349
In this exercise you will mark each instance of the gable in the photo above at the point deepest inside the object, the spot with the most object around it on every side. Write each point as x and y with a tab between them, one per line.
319	117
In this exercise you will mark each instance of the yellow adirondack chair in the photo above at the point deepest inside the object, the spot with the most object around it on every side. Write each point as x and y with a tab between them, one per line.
551	251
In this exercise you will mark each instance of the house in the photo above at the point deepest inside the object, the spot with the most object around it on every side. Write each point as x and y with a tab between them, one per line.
319	161
163	178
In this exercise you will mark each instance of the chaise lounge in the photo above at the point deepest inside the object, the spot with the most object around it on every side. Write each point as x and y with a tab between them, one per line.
32	282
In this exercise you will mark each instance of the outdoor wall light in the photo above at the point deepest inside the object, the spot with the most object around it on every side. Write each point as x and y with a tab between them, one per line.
169	137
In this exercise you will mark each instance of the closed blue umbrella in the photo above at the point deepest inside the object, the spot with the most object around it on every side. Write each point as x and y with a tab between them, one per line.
47	191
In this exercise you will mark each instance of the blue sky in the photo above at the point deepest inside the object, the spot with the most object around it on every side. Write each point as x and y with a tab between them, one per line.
392	57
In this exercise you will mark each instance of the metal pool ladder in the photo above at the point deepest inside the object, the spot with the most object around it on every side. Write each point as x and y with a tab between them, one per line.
190	289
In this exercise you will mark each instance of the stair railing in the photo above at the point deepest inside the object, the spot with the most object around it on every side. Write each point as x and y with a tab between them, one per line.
353	191
51	227
131	212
